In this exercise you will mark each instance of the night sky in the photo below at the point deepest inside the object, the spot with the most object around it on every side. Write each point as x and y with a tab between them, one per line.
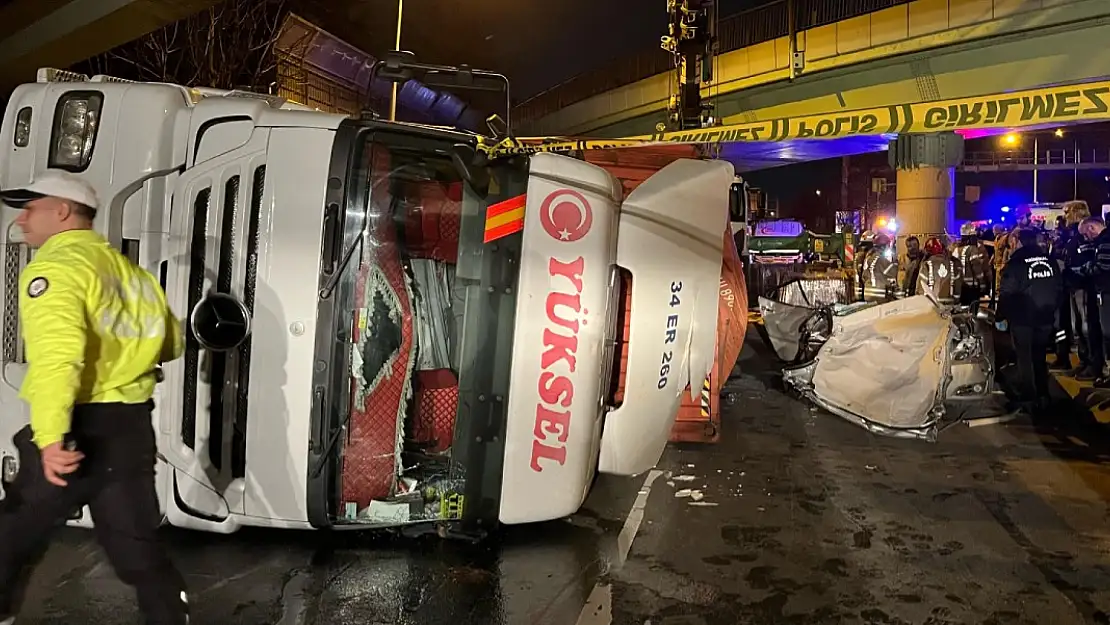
541	43
537	43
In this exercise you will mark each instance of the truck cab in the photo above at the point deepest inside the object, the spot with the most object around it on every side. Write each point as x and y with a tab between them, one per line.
384	328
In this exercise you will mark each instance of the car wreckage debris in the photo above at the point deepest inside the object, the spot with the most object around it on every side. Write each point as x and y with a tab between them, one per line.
907	368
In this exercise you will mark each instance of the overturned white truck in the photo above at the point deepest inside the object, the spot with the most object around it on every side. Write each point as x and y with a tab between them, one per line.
417	335
905	368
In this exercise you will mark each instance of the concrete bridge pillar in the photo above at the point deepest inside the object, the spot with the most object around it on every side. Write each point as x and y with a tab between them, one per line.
925	205
926	166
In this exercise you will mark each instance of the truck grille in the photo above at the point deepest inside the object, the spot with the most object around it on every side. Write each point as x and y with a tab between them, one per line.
12	265
220	362
223	259
197	245
239	442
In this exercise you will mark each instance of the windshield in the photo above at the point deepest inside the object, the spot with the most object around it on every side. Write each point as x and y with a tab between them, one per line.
422	319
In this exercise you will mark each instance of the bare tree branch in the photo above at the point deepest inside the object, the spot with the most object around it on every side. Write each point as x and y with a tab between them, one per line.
230	45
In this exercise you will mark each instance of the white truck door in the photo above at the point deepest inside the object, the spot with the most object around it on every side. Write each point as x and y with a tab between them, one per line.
670	239
559	339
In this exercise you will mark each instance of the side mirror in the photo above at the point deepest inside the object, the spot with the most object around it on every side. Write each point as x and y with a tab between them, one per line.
220	322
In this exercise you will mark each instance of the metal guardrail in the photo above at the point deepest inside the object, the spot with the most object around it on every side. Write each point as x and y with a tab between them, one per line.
763	279
764	23
1042	159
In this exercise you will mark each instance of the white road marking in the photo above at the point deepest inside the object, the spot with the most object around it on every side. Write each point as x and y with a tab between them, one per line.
599	605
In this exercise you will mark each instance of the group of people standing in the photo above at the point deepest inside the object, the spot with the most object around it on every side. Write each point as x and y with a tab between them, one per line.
959	275
1080	247
1050	289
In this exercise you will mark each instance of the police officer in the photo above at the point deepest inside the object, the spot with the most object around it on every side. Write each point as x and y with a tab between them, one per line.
1095	272
95	327
1065	323
972	256
880	271
940	274
1083	306
1027	301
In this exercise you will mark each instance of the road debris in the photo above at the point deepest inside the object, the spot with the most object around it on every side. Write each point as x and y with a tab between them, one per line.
973	423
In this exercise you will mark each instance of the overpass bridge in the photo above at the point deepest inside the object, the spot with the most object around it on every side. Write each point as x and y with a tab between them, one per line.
59	33
834	56
843	58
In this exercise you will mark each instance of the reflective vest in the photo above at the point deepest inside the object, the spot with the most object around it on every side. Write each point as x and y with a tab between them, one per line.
1001	250
880	276
973	260
95	327
940	275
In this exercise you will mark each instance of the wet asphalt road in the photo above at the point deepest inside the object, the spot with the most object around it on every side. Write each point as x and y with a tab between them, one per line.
815	521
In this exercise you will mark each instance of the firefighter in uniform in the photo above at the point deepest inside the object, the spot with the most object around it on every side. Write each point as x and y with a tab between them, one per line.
866	247
912	265
1027	304
1001	254
972	256
940	274
880	271
95	327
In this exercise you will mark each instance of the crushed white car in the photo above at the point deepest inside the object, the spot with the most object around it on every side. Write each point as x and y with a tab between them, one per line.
905	368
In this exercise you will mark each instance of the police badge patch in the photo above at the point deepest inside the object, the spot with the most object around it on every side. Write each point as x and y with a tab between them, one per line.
37	287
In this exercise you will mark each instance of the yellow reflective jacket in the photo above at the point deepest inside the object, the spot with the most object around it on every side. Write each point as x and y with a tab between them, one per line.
95	326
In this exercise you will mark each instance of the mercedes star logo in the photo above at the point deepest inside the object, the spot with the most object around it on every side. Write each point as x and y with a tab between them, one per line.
220	322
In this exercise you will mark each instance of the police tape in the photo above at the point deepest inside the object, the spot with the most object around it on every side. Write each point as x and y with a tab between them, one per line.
1053	105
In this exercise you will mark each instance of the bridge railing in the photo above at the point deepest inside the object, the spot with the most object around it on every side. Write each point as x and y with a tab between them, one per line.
1041	159
764	23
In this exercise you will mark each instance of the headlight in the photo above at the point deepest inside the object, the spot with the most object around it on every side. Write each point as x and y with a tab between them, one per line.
23	127
76	120
9	468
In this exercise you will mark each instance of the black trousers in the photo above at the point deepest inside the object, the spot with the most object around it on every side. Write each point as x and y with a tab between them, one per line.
116	481
1096	345
1065	327
1078	301
1030	346
970	294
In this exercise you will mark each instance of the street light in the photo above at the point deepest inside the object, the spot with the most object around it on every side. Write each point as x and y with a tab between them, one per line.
1010	139
819	192
397	47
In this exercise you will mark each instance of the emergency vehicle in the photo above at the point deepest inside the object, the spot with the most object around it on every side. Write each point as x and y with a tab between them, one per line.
1042	215
384	328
